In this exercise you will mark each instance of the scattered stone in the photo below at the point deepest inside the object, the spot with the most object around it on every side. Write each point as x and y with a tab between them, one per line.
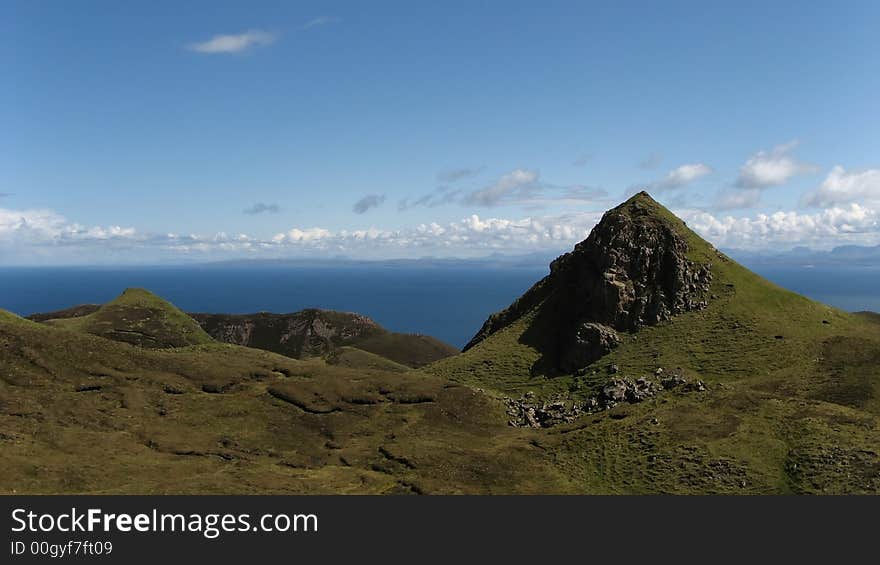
658	371
697	386
673	381
529	411
613	369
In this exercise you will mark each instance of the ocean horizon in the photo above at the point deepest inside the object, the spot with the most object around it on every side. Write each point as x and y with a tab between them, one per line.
449	302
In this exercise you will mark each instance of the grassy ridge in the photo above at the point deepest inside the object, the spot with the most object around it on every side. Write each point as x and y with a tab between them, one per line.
141	318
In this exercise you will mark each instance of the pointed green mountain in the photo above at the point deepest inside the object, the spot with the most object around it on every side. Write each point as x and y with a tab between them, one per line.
140	318
643	291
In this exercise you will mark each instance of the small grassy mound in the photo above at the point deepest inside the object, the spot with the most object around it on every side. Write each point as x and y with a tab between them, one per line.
140	318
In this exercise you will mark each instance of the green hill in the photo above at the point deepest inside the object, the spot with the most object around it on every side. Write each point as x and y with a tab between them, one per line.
780	388
140	318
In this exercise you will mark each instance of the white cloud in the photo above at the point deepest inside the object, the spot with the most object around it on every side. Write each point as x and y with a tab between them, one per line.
835	226
685	174
319	21
678	177
738	198
234	43
516	184
469	236
46	226
772	168
841	186
307	235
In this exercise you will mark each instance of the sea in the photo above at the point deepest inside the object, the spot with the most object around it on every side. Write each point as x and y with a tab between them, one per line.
449	303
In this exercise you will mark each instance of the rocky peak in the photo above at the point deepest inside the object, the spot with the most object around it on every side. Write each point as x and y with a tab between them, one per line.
632	270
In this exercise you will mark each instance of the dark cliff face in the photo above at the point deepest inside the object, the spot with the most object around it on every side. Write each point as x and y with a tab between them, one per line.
630	272
319	333
308	333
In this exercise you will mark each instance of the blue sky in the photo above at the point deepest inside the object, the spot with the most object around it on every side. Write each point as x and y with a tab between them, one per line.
171	131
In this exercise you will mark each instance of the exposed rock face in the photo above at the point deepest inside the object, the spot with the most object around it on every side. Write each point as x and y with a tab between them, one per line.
317	333
591	341
309	333
632	271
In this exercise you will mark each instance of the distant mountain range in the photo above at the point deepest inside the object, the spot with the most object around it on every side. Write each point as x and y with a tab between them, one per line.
851	255
848	255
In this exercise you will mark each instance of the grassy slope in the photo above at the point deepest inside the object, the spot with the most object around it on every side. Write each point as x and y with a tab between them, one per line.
412	350
794	413
84	414
141	318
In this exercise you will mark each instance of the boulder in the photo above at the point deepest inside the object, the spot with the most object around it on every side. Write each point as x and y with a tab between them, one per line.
590	342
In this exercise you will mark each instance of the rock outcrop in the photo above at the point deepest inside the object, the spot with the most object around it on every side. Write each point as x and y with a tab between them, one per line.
529	411
632	271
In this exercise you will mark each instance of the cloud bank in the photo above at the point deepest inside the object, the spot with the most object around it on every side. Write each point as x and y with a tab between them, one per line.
29	235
